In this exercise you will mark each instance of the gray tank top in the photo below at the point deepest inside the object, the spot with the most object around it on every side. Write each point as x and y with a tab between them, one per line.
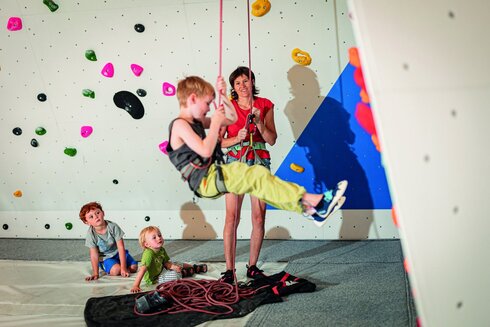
183	156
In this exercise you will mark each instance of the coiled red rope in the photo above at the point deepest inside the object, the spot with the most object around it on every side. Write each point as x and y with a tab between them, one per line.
203	295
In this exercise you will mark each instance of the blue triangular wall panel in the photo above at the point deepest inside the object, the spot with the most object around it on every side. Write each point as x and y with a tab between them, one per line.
333	146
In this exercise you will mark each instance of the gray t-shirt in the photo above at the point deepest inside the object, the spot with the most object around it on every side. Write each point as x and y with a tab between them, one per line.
105	242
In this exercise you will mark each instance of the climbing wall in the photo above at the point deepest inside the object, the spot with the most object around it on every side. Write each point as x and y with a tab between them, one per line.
88	93
424	68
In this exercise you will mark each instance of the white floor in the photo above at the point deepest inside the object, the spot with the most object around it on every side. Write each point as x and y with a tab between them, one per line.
47	293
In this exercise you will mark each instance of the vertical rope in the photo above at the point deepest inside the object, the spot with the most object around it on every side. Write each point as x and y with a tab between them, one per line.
220	63
249	54
220	71
235	221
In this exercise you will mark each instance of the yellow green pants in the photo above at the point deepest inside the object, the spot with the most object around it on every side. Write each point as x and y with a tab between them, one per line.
239	178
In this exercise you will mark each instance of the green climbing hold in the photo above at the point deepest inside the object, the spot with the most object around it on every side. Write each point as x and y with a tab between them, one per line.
40	131
90	55
51	5
69	226
88	93
70	152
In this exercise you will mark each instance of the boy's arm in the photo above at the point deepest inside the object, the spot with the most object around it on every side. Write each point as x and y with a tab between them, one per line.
137	281
183	133
94	259
122	257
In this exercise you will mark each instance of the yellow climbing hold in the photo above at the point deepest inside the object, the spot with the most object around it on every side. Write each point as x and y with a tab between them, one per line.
301	57
18	193
296	168
260	8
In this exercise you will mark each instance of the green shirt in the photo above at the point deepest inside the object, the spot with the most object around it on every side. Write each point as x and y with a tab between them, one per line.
153	261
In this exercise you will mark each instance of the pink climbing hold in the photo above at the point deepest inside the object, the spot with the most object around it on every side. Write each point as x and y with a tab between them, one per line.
137	69
163	147
108	70
14	24
85	131
168	89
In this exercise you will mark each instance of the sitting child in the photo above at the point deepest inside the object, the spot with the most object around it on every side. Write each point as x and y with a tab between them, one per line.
198	157
105	240
155	265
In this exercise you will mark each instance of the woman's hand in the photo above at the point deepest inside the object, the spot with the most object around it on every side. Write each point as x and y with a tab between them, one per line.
242	134
256	113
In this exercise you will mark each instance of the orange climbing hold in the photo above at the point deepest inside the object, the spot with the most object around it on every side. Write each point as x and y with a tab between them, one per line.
18	193
260	8
354	57
296	168
375	140
301	57
364	96
406	266
394	217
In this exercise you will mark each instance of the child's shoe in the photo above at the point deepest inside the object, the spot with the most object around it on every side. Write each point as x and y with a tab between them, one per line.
254	272
187	272
227	277
201	268
331	202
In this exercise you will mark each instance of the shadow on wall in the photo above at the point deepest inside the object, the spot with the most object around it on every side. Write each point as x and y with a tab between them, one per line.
324	145
196	225
306	98
277	233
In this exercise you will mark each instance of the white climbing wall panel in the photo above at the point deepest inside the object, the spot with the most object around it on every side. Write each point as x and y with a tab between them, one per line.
425	67
120	164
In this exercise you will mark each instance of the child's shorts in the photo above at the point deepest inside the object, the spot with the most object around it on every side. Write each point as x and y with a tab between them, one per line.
107	264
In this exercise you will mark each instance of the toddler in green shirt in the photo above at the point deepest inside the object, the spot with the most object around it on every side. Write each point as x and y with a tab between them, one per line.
155	265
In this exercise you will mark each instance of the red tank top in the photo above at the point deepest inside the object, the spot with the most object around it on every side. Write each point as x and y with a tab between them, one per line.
264	105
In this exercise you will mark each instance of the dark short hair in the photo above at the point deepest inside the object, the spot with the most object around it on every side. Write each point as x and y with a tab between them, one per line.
241	70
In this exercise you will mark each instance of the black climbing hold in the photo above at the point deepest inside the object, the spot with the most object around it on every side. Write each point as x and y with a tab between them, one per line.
17	131
115	181
5	226
41	97
147	218
129	102
140	28
34	143
141	92
47	226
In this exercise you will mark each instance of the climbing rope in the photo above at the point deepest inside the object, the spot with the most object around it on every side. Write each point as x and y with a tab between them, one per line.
208	296
203	295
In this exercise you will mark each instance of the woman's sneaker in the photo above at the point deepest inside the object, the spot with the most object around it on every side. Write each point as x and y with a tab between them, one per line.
331	202
227	277
254	272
